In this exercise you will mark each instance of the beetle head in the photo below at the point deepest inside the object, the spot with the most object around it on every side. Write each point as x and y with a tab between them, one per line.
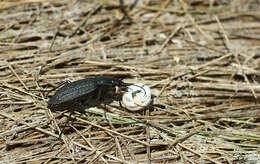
114	82
109	81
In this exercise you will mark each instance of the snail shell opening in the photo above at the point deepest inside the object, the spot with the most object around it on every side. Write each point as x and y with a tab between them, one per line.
137	97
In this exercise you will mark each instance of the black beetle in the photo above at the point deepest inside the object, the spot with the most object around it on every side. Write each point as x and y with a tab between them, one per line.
75	94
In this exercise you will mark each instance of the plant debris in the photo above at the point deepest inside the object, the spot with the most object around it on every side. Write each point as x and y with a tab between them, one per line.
200	58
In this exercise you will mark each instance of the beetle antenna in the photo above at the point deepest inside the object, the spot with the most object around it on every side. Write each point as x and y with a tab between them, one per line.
141	88
128	84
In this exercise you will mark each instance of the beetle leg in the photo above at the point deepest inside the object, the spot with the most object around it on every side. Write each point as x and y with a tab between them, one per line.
118	97
59	85
66	123
53	89
120	104
78	103
99	94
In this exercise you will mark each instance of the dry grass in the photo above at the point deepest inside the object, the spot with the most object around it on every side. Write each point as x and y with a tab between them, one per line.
201	59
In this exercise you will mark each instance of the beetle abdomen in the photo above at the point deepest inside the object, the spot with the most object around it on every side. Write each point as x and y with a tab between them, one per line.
72	91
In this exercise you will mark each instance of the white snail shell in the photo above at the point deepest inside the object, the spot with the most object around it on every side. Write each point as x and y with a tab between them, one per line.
137	97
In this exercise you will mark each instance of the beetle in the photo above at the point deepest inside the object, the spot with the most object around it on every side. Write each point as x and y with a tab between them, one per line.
77	93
